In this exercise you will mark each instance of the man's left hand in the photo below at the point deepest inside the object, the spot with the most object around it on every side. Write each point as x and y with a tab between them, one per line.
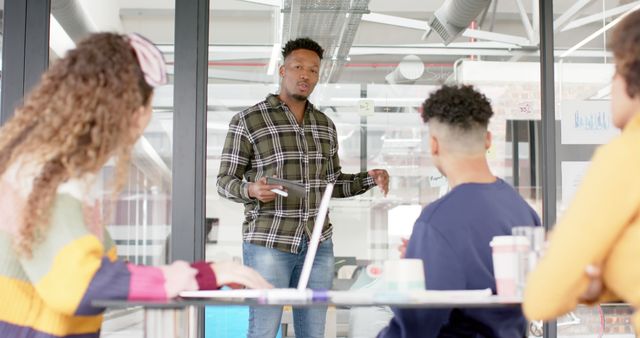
381	177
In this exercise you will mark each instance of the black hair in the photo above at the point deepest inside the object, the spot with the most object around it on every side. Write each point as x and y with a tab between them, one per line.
461	107
302	43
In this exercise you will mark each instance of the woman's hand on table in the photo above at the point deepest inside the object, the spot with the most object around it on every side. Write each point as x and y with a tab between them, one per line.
234	274
179	276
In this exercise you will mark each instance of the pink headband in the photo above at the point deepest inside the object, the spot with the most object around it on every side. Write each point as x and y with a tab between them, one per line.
150	59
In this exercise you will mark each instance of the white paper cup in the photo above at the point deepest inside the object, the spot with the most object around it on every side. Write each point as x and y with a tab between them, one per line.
509	260
403	274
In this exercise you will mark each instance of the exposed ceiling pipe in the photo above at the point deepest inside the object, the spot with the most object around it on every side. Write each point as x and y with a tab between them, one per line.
473	26
483	17
524	17
626	8
454	16
348	65
598	32
408	71
333	24
493	15
570	13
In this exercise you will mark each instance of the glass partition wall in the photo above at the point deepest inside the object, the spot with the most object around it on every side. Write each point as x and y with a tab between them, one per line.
140	217
392	67
380	65
584	67
1	32
142	212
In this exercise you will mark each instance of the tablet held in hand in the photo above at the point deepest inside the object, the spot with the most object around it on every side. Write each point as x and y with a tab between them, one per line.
294	189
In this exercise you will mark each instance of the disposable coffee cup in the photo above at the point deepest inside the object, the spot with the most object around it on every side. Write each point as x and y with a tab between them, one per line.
510	262
403	274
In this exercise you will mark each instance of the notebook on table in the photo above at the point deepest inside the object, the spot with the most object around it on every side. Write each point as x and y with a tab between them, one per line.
301	293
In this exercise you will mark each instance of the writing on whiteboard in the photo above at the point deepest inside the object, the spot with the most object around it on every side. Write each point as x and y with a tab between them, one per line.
598	120
587	122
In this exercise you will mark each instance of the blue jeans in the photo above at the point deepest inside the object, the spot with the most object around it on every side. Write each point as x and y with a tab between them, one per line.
282	269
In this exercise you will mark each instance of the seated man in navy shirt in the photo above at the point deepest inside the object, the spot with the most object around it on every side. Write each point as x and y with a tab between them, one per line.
452	234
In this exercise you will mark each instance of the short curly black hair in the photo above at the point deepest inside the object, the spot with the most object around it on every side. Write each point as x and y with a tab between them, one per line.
302	43
461	107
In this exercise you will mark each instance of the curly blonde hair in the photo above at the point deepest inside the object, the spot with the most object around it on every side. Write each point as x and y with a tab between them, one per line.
72	122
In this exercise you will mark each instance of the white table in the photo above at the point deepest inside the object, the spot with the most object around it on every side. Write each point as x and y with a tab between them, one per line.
178	318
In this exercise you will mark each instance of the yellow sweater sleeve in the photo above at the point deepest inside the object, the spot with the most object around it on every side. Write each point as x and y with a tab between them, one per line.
603	206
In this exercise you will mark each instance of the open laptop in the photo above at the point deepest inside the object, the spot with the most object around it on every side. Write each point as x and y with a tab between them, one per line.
301	293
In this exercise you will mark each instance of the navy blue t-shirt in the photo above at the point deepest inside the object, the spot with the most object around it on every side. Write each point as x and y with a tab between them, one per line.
452	237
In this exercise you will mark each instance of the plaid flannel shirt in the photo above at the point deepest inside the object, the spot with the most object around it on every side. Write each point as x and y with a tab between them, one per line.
266	140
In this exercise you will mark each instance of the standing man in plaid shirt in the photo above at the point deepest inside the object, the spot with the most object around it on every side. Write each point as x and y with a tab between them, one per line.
287	137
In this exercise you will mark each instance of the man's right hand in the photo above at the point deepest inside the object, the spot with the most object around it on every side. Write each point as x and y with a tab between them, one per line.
261	191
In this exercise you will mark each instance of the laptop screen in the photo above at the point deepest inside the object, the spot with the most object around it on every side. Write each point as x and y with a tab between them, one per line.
315	238
306	267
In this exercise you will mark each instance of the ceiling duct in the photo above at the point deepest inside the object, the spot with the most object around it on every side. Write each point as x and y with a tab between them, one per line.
454	16
408	71
72	18
331	23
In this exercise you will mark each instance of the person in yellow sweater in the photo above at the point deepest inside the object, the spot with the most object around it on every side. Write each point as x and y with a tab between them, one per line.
55	255
601	227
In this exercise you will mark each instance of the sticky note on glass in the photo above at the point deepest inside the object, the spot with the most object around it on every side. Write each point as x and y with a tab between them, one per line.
365	107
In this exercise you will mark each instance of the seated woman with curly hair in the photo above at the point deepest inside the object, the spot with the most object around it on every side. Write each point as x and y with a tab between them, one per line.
89	107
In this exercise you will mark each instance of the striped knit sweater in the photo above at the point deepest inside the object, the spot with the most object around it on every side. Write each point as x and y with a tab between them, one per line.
49	295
